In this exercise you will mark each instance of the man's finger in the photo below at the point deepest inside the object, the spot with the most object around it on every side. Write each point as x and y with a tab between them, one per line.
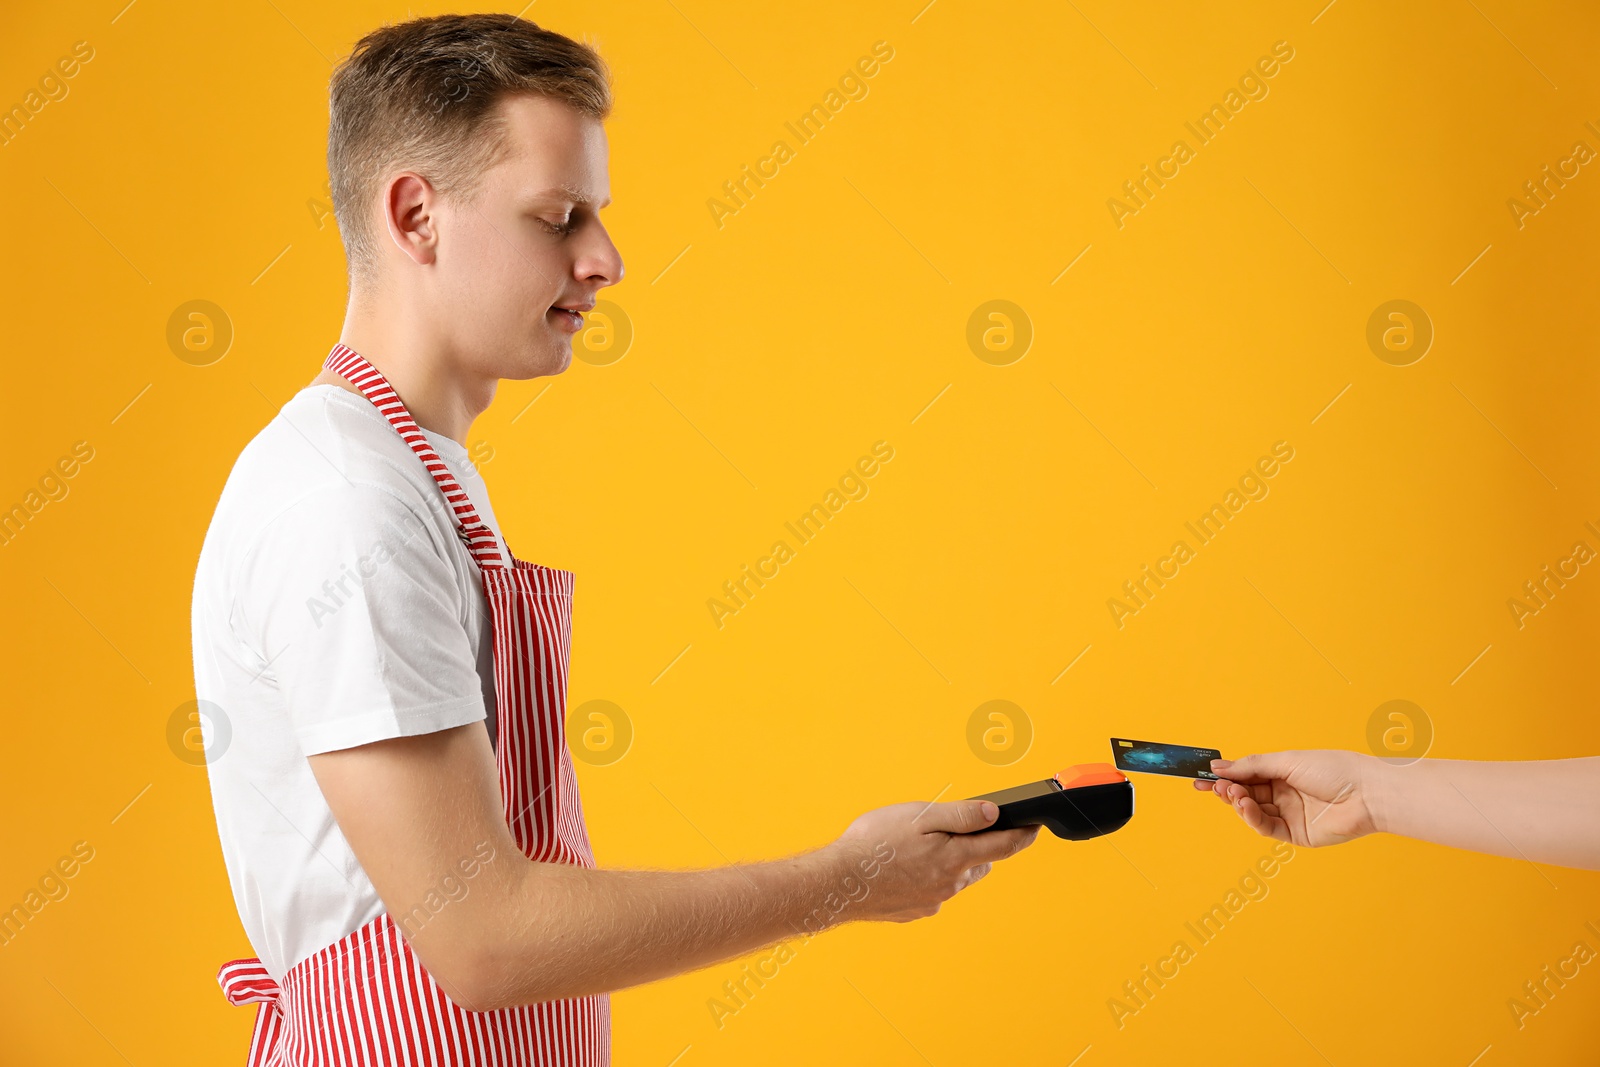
998	845
957	816
974	874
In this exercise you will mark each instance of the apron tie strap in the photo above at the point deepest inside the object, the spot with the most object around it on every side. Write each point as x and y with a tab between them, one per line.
247	982
244	982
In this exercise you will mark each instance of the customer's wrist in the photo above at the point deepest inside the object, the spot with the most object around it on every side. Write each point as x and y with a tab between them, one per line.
1381	788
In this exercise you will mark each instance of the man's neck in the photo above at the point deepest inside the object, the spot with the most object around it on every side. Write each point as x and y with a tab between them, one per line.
441	397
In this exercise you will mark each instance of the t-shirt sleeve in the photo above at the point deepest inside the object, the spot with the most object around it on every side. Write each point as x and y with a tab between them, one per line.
349	599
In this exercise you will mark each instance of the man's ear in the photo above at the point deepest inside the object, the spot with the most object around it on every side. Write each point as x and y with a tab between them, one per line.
409	204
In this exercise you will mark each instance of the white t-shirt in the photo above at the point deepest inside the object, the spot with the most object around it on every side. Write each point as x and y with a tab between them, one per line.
334	605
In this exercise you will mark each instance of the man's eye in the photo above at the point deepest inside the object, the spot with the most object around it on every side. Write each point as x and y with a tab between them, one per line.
561	228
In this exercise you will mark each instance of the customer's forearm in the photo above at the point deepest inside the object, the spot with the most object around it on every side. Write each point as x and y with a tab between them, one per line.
570	931
1547	811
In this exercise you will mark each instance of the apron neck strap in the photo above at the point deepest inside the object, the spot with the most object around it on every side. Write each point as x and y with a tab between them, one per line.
349	364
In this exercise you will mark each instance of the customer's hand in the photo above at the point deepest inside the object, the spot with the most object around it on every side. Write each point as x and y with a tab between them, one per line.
1306	798
934	851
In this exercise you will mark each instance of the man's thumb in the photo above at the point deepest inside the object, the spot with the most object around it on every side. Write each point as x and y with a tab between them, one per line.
958	816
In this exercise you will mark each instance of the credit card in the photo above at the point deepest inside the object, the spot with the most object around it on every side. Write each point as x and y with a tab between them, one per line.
1153	757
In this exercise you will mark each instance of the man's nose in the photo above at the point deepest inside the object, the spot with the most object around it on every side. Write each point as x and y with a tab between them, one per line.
602	262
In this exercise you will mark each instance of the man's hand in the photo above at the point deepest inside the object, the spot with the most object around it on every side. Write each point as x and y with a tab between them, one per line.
1306	798
936	854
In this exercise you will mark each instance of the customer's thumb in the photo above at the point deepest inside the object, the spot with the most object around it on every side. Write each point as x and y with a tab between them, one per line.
1258	767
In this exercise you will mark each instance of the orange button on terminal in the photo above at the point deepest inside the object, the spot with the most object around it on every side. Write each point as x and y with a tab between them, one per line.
1083	774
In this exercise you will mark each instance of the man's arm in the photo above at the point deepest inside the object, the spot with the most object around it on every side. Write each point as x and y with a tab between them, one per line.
420	810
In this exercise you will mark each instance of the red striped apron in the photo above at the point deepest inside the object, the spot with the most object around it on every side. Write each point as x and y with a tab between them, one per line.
365	1001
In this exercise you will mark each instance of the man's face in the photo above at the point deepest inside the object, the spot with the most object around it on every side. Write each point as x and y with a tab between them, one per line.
530	244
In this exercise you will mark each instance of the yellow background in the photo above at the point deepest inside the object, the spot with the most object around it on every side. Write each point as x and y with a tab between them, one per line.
822	317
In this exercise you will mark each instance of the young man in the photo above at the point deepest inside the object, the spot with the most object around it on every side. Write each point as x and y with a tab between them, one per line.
396	804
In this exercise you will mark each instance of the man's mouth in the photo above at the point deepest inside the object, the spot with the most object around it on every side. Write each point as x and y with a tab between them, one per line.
571	315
